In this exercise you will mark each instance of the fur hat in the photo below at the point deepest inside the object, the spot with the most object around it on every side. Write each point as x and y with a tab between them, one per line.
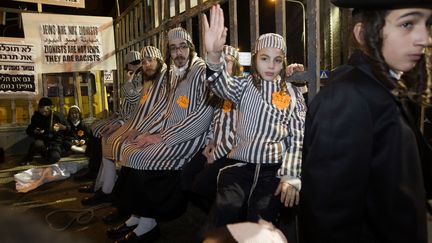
151	52
270	40
229	50
179	32
382	4
44	101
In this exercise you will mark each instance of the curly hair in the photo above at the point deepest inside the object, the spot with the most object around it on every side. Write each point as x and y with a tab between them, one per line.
373	22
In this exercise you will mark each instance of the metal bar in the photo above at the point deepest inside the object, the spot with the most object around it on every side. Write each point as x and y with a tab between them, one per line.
314	55
233	30
90	95
200	8
177	7
280	16
30	108
13	111
254	20
61	96
201	31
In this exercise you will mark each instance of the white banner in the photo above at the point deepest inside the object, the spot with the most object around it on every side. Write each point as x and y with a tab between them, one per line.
66	3
17	68
68	43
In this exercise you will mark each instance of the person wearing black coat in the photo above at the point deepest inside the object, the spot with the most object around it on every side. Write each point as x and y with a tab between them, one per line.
364	160
49	129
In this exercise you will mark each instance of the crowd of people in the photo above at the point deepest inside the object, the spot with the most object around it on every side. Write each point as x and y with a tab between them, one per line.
243	147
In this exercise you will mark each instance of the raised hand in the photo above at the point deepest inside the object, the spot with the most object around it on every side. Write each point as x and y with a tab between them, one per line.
214	34
292	68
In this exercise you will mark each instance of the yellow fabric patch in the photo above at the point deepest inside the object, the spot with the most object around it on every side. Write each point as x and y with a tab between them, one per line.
183	102
80	133
281	100
227	106
144	98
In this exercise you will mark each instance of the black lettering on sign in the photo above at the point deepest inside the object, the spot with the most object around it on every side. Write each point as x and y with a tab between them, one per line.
17	82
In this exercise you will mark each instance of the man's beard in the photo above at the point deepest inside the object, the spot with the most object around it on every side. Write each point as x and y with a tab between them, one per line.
151	76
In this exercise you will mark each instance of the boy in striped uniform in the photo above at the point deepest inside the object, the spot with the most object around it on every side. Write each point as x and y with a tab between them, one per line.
264	173
131	92
148	109
152	187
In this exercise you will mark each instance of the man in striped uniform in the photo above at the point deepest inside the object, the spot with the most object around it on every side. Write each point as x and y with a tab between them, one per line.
103	128
152	187
150	106
266	159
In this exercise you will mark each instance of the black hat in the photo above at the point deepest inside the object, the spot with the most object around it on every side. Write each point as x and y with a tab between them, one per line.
382	4
44	101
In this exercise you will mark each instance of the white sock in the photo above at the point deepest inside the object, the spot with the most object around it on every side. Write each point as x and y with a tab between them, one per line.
133	220
145	225
109	176
99	178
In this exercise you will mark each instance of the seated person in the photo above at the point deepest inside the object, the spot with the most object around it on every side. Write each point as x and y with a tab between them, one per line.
79	132
49	130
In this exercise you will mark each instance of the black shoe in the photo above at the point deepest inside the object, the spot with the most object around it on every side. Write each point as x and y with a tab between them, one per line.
87	189
114	217
88	176
98	198
131	237
119	231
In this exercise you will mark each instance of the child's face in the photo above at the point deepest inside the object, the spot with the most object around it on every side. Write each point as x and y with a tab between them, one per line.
269	63
149	66
74	115
405	33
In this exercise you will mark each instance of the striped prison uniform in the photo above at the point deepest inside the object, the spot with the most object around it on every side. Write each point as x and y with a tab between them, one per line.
268	145
265	134
131	92
183	126
148	110
222	129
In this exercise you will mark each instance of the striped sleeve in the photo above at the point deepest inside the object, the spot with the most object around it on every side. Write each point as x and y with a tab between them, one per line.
224	85
291	165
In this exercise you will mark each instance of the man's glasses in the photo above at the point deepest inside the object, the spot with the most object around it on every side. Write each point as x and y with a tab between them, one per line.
181	48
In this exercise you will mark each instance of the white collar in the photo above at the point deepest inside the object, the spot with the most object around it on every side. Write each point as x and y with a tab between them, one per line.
395	74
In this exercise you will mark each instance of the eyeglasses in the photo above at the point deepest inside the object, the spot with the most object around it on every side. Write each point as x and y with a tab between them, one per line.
181	48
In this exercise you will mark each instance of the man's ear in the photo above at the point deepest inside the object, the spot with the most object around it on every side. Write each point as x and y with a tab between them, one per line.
358	33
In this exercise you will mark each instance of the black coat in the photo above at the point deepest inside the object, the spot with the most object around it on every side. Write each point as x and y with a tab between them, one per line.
44	123
81	131
362	179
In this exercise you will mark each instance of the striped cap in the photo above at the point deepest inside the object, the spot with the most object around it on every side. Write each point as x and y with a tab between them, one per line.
179	32
270	40
229	50
151	52
132	56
